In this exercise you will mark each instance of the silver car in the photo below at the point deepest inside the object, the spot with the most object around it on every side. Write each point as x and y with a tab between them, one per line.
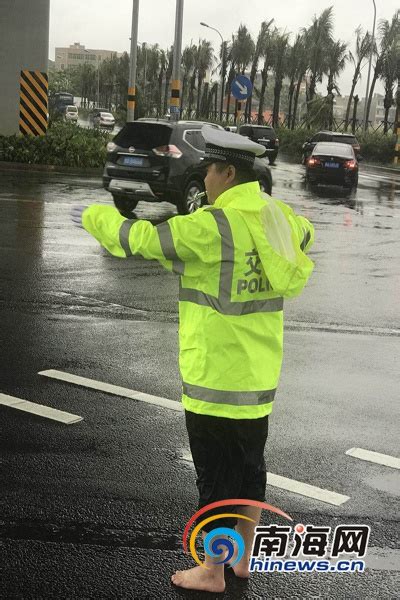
104	119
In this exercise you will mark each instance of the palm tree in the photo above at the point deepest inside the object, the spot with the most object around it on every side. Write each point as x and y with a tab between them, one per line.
242	51
204	62
269	59
390	73
301	70
337	58
168	74
224	56
162	57
388	33
231	76
363	49
280	68
317	38
293	59
188	66
256	58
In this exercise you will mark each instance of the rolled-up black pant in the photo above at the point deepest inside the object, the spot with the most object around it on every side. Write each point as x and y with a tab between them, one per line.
228	456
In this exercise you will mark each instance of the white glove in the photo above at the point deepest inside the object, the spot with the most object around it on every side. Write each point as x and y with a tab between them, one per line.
76	215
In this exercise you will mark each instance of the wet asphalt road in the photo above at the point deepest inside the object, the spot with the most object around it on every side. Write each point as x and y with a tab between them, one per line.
96	509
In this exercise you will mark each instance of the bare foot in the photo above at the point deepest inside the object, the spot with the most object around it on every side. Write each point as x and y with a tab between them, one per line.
200	578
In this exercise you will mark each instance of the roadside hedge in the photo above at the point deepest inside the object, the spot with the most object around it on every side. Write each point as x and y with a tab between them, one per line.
375	147
65	144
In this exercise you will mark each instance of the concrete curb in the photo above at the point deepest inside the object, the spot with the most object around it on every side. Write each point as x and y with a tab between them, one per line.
39	168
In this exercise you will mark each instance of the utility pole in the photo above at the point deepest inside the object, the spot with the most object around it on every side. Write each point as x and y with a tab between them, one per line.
132	70
174	107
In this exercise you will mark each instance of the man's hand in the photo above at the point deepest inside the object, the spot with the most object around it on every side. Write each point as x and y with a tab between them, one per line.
76	215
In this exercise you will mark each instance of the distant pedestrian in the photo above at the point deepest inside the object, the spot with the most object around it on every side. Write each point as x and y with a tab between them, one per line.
238	259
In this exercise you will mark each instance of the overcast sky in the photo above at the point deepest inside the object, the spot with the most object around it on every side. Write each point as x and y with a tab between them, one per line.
106	24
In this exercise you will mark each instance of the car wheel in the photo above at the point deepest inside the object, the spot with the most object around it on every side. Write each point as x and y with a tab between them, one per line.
125	206
265	186
187	204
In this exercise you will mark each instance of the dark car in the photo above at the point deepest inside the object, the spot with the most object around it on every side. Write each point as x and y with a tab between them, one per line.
330	136
160	160
334	164
265	136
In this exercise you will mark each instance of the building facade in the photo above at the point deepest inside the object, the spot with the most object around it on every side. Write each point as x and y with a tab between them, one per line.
77	54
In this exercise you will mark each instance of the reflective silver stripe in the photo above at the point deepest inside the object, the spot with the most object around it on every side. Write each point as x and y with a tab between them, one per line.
124	235
223	303
227	256
230	308
168	247
226	397
305	241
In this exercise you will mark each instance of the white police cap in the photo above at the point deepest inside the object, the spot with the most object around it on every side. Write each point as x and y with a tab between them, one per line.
224	146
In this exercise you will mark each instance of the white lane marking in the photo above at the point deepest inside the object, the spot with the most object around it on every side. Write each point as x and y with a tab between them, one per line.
291	485
375	457
112	389
304	489
39	409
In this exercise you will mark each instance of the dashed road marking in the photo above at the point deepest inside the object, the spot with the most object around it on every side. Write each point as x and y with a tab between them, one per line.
39	409
297	487
112	389
375	457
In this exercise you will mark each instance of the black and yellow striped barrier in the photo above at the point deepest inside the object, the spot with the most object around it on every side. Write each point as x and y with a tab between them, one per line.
33	103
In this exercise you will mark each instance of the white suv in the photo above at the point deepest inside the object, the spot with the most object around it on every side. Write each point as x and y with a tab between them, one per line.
71	113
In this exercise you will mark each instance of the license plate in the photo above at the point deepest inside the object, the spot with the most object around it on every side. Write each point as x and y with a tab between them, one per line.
332	165
132	161
140	188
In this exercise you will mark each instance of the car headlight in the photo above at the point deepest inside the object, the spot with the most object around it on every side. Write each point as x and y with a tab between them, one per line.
111	147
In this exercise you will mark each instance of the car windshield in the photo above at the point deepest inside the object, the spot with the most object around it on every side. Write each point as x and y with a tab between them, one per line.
104	114
72	109
344	139
324	148
145	136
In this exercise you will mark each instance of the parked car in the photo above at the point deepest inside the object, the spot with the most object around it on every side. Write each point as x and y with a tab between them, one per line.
102	118
265	136
231	128
330	136
160	160
332	163
71	113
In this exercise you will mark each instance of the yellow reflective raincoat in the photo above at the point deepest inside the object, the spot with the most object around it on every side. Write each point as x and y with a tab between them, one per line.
237	261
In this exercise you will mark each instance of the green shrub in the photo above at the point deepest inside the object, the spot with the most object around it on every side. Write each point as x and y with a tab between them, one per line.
64	144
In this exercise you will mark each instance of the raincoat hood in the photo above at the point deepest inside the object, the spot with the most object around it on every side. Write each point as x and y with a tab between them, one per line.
278	236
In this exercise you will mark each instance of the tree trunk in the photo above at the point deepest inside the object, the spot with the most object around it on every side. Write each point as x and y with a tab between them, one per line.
290	96
371	93
264	80
277	98
296	101
191	93
182	92
353	87
199	82
353	127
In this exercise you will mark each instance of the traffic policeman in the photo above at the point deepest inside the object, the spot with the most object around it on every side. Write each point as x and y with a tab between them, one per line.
238	259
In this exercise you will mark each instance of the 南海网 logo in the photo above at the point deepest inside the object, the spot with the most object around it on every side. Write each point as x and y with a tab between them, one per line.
220	542
301	548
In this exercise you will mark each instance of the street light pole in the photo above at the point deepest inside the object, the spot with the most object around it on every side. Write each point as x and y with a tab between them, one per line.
174	105
369	72
221	108
132	67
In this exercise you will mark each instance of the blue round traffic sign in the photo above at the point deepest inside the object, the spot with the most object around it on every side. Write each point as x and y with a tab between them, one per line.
241	87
